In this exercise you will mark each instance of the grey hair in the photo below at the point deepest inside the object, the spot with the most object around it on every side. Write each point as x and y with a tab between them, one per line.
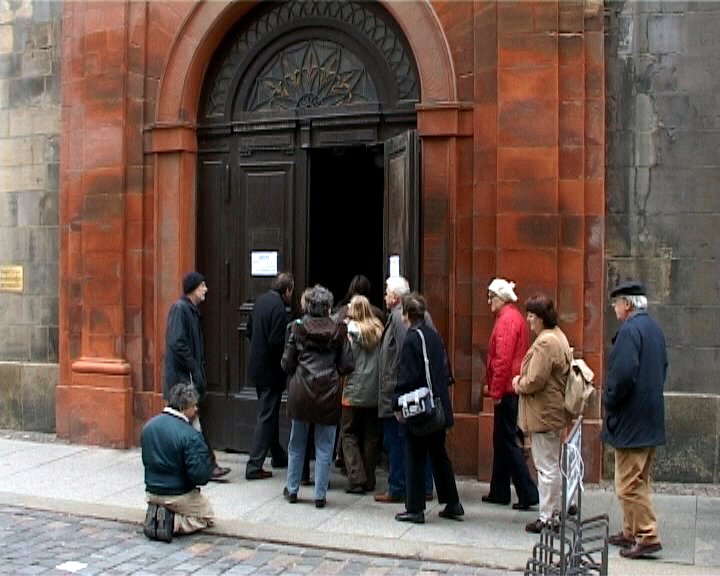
318	301
637	302
398	286
182	396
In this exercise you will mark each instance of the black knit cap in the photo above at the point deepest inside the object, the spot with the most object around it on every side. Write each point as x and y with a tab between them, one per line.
628	288
192	280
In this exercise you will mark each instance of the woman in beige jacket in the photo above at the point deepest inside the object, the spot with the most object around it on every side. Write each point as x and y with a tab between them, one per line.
541	387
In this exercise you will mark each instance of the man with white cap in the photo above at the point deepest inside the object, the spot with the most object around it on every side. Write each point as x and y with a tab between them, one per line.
508	344
634	422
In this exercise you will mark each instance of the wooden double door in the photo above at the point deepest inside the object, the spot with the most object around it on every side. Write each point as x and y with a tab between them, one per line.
272	199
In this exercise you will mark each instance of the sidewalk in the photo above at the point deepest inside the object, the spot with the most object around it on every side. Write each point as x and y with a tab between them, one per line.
40	473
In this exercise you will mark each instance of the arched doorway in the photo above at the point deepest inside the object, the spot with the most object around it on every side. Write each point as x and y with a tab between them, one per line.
307	161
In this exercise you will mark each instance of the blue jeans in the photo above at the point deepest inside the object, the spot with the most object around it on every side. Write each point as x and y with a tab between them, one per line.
394	443
324	444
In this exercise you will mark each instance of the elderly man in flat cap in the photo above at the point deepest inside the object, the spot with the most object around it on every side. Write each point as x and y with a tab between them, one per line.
634	422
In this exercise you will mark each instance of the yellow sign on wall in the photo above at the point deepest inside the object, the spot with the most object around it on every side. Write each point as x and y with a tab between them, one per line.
11	278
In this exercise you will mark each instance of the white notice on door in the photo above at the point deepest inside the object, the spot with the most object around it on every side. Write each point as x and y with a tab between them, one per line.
263	263
394	265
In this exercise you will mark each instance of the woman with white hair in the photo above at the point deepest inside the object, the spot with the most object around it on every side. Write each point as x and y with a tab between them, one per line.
508	344
317	353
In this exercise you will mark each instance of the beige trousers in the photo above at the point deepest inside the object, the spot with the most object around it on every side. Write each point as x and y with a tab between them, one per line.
632	486
545	447
193	511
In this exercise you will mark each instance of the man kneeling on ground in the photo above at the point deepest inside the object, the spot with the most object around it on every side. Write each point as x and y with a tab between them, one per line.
177	462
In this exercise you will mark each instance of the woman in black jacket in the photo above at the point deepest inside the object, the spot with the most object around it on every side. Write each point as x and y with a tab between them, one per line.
411	376
316	354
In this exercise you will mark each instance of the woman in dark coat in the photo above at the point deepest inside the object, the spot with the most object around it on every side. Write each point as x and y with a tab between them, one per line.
316	354
411	376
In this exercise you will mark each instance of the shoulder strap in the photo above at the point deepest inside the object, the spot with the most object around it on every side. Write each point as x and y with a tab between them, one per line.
425	357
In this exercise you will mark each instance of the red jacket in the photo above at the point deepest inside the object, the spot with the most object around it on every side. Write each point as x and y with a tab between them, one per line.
508	344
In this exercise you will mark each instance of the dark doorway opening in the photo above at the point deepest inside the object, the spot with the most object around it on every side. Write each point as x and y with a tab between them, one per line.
345	228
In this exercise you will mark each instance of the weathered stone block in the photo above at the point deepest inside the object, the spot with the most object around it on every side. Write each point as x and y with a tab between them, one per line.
15	343
10	397
665	33
38	382
692	428
10	309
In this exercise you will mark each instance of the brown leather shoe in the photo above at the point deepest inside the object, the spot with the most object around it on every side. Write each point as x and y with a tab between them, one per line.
640	550
387	498
621	540
259	475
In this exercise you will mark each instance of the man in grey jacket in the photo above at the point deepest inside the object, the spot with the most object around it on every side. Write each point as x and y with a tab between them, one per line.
393	431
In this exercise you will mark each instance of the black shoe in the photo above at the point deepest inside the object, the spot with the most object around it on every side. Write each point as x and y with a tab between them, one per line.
535	527
165	524
357	489
414	517
218	473
320	503
258	475
455	512
279	463
492	500
524	505
292	498
150	524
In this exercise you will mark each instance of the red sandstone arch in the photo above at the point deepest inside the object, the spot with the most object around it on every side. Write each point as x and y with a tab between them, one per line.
208	23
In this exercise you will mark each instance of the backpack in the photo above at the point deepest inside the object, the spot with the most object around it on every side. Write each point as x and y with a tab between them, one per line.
579	386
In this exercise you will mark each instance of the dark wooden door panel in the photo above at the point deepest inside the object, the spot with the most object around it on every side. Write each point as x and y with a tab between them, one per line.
213	202
402	205
267	186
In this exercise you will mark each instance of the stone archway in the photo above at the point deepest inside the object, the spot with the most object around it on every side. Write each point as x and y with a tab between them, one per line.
173	135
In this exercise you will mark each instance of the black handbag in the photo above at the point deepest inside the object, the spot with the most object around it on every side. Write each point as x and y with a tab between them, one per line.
423	412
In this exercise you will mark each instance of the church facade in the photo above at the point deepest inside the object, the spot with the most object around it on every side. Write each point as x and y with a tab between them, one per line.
451	142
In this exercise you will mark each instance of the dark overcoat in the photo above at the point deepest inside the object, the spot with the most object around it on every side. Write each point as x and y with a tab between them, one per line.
266	331
184	356
633	395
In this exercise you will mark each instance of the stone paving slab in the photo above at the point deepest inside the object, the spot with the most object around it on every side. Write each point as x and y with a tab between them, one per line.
109	484
43	543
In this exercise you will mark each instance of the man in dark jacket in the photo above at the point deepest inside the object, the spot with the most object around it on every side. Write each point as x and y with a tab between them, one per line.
184	356
176	461
266	331
634	421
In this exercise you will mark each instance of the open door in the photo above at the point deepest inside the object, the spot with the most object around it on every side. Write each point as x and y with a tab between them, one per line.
401	222
251	208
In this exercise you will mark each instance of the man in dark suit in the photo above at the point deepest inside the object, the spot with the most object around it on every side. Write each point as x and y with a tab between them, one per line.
266	331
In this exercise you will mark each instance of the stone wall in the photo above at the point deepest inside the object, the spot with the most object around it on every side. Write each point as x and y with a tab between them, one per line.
663	205
30	51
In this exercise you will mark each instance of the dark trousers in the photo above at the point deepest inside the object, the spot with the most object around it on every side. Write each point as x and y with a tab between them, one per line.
360	439
508	460
417	450
203	430
267	431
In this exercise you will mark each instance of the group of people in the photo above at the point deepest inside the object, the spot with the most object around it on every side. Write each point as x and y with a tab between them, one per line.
527	385
345	371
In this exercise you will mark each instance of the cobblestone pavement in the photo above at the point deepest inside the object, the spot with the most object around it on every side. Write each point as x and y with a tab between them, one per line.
38	542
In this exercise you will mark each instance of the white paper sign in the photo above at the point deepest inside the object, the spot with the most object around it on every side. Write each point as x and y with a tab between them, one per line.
394	265
263	263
